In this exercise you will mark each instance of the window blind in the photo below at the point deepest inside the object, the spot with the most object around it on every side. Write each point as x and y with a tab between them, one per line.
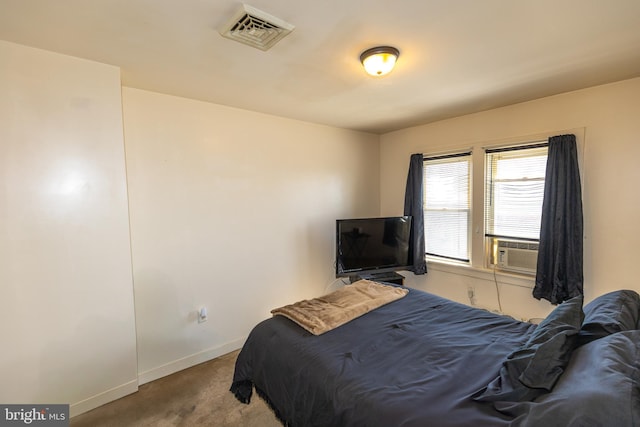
514	191
447	205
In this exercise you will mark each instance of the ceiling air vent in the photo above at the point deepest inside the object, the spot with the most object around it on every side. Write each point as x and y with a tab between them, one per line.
256	28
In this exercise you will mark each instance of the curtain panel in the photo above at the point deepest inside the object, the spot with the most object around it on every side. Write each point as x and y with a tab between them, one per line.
559	275
413	205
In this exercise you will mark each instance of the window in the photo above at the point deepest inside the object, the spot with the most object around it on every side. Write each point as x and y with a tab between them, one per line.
447	207
513	195
514	191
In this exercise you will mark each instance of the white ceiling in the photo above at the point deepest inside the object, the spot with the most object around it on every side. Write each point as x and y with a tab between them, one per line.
457	56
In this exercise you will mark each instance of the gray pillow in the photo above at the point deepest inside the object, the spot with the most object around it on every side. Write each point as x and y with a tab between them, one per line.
600	387
610	313
534	368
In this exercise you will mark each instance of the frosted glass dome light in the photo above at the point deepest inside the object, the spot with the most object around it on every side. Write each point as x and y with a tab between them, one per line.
380	60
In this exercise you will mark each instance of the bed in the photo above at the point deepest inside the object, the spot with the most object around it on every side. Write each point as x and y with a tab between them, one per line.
423	360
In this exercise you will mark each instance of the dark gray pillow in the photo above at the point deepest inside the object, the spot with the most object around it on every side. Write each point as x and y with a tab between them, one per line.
600	387
610	313
534	368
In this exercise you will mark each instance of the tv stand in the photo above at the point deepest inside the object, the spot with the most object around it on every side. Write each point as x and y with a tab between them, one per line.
389	277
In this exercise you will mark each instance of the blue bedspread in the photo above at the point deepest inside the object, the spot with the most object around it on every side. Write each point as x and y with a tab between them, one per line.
414	362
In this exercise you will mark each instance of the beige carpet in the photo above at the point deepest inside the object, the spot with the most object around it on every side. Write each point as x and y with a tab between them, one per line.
198	396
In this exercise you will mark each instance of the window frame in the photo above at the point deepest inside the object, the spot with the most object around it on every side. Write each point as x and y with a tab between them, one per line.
491	235
467	154
491	180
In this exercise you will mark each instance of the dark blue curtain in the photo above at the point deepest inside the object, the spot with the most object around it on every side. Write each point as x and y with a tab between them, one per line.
413	206
559	274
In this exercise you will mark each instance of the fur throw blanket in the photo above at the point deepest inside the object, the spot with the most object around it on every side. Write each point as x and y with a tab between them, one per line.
325	313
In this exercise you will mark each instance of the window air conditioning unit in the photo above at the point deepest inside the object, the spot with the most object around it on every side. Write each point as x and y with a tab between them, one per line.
520	257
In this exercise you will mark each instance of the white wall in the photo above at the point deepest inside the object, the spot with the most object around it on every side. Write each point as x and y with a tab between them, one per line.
68	330
606	117
229	209
234	211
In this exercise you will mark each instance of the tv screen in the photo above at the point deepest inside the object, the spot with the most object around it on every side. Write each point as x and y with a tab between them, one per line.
372	245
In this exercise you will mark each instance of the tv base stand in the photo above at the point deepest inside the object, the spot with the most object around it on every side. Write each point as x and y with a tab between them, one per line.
389	277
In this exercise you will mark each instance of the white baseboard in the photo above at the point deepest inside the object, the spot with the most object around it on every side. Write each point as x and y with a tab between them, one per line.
189	361
153	374
102	398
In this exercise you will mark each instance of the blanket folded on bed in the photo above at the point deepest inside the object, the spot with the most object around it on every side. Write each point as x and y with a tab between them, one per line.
325	313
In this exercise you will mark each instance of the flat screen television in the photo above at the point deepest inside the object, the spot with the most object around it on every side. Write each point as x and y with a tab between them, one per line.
372	245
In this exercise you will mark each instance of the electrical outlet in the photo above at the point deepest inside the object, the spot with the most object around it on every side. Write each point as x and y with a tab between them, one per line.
203	315
471	293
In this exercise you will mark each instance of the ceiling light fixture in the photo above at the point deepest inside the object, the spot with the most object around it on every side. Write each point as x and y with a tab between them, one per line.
380	60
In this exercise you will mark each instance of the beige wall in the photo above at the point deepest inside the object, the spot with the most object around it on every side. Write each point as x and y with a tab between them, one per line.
231	210
234	211
68	329
605	119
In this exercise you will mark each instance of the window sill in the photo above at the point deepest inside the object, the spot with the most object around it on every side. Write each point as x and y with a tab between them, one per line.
503	277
